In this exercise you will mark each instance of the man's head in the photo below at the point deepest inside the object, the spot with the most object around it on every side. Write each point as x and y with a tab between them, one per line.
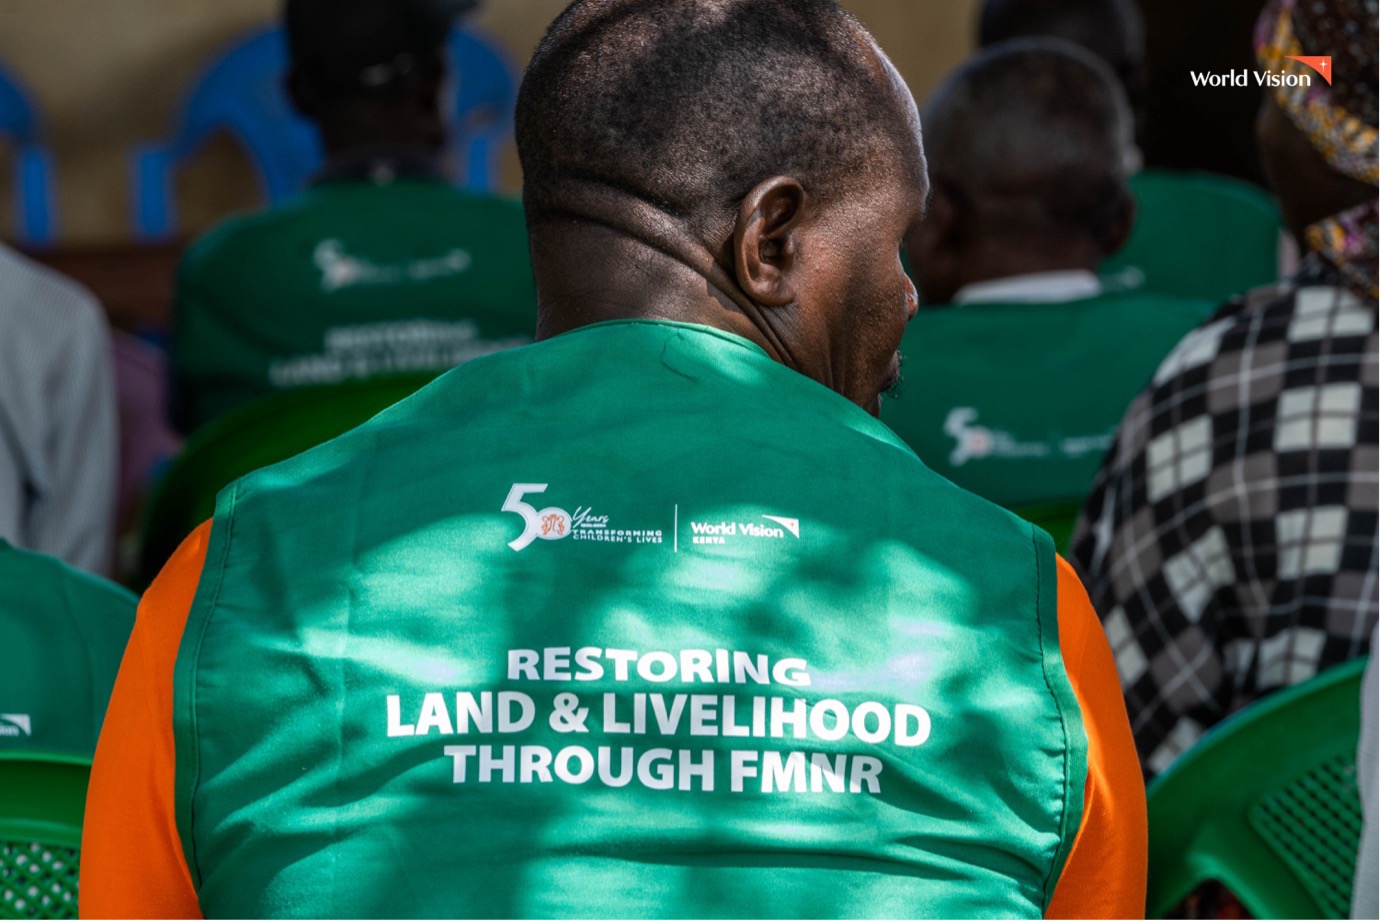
1319	143
1112	30
748	164
1025	146
370	72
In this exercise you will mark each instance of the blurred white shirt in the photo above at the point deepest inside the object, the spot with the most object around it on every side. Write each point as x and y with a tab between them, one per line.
1053	287
59	445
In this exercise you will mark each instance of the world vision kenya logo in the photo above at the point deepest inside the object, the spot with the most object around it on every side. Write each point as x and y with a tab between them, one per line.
15	725
583	523
1319	63
778	529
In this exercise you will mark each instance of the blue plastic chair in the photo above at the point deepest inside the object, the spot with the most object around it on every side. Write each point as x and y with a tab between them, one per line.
33	170
243	94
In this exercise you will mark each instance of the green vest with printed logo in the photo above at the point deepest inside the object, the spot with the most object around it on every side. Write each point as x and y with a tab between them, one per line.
350	280
631	622
62	635
1019	402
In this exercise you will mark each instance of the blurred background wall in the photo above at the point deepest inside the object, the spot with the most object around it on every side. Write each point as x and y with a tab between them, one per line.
107	74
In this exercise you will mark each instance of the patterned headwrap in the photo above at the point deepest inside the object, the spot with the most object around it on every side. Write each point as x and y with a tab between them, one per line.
1340	118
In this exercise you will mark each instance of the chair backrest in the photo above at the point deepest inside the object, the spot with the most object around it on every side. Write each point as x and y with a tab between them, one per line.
483	97
33	165
17	117
1267	805
1057	518
265	432
1198	235
243	93
42	798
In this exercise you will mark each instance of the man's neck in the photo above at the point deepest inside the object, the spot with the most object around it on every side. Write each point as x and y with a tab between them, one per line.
590	273
600	254
381	160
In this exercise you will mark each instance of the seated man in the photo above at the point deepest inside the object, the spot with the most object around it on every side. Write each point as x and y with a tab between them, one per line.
59	445
651	618
1197	235
1231	541
62	633
382	267
1112	30
1015	390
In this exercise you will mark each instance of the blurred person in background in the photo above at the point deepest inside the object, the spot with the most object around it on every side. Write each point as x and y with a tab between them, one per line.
1231	540
382	267
1196	235
59	448
62	634
1015	388
1112	30
686	461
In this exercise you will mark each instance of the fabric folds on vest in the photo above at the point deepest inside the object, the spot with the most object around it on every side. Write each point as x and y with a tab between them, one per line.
631	622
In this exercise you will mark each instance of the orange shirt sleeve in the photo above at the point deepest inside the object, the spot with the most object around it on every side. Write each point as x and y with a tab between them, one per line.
132	864
1106	876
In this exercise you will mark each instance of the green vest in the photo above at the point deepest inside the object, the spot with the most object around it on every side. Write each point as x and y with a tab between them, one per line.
350	280
631	622
1019	402
62	634
1198	235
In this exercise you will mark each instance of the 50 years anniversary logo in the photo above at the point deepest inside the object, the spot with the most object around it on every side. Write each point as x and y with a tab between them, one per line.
583	523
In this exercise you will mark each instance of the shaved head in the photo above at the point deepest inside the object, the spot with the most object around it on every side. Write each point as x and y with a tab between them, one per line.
1112	30
689	105
1033	133
747	165
1028	148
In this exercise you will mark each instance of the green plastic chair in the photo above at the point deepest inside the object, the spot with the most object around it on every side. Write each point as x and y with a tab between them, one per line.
1057	518
1198	235
264	432
42	798
1267	805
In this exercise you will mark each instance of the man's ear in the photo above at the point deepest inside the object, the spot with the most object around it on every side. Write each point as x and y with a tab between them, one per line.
931	242
764	243
1122	224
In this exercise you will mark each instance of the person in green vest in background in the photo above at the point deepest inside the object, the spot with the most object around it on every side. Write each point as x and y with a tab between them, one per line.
1195	234
652	618
1016	385
382	266
62	633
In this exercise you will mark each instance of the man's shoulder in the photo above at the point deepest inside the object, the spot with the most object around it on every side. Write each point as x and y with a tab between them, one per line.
1115	307
1260	320
674	397
460	200
65	591
1159	307
33	294
244	239
241	236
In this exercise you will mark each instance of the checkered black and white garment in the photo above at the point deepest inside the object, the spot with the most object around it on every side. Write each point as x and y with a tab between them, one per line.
1231	539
